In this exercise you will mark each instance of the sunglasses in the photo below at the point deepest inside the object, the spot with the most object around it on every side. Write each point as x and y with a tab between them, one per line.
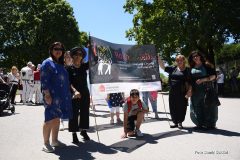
195	56
57	49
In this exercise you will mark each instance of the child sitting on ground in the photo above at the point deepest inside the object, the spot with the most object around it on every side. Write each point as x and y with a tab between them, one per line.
134	109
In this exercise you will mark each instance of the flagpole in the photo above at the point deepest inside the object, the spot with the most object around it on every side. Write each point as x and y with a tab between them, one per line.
93	106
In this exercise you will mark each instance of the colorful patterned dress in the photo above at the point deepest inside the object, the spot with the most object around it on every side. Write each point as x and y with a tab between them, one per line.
54	78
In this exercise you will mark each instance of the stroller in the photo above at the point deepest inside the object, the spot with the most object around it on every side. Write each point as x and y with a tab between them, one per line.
5	98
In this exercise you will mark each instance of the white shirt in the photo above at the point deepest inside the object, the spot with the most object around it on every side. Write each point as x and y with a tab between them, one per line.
12	78
220	78
26	73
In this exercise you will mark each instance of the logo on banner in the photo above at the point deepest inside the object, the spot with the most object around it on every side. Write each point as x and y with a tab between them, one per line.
101	88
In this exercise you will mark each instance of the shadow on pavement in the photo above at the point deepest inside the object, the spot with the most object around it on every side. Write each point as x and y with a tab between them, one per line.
83	151
214	131
132	144
110	126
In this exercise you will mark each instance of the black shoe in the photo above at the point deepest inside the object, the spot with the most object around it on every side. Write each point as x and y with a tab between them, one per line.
21	101
180	126
174	126
84	134
198	128
75	138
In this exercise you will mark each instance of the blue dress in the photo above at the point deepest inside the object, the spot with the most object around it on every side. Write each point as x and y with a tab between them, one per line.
54	78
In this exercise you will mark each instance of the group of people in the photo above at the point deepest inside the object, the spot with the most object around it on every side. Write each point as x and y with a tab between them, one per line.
191	82
27	81
64	87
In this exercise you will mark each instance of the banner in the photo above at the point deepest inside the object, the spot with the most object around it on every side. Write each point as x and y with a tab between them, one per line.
120	68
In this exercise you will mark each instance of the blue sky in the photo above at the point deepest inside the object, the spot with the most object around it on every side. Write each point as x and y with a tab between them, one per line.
104	19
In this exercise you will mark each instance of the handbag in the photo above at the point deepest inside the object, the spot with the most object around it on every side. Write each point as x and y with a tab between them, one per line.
211	97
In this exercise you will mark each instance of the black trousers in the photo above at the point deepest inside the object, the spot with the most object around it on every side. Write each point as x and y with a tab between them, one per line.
177	106
80	109
13	92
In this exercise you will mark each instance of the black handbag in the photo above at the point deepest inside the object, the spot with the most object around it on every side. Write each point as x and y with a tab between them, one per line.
211	97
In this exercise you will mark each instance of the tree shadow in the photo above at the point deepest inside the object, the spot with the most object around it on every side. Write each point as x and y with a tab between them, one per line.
213	131
83	151
132	144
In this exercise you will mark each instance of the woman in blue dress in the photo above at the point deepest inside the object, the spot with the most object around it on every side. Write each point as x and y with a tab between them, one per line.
202	73
56	94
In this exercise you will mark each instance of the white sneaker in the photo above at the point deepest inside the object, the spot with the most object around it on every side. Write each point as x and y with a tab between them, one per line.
58	144
47	148
139	133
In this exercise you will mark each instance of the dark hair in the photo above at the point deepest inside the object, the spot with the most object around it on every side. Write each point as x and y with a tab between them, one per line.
134	92
190	58
61	59
74	50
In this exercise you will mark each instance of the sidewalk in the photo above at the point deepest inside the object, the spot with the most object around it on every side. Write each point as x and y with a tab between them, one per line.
21	137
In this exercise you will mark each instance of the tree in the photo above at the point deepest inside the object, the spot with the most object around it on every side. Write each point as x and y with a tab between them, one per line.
229	52
28	27
184	25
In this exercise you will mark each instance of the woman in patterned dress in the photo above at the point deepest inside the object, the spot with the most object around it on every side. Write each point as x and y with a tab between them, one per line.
56	94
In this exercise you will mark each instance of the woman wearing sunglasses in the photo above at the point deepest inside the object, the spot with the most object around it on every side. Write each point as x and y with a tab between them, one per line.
81	96
56	94
202	73
180	89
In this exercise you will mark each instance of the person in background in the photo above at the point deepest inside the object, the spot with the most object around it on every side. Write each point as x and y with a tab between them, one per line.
67	62
233	79
134	110
220	82
26	79
152	97
180	89
37	86
56	94
13	78
115	101
202	73
81	96
32	84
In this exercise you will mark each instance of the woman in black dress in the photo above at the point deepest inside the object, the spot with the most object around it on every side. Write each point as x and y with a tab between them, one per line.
180	90
81	97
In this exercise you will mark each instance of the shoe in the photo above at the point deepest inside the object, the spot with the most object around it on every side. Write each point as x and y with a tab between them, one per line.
119	121
75	138
180	126
85	135
58	144
139	133
21	101
156	115
112	121
47	148
198	128
174	126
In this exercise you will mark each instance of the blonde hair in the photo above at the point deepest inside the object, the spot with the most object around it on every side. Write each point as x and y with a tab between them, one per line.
14	68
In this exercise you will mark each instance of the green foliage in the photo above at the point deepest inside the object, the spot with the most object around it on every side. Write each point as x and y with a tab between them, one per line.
184	25
28	27
229	52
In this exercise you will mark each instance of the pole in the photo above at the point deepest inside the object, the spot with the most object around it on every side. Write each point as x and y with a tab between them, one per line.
165	110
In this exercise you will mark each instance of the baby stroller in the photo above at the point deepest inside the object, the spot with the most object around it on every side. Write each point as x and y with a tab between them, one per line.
5	98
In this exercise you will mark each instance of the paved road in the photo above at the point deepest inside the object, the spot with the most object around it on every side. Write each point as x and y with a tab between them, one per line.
21	137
